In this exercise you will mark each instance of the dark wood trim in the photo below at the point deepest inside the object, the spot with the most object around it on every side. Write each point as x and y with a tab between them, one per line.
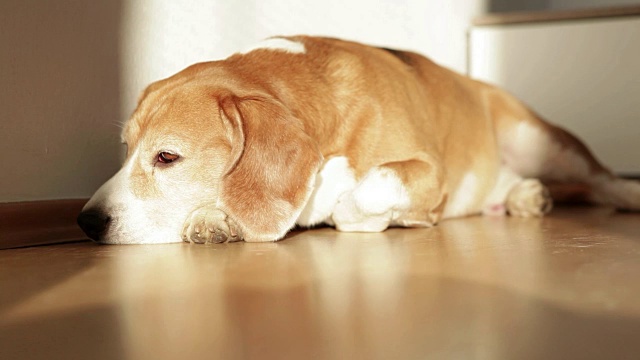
632	176
558	15
40	222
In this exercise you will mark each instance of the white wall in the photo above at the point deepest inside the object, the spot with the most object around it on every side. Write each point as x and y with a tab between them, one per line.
582	75
164	36
71	70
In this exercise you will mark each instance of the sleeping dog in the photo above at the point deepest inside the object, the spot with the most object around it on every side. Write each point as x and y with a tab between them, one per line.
307	130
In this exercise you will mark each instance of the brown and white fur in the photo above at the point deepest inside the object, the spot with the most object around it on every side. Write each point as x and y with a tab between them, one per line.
305	130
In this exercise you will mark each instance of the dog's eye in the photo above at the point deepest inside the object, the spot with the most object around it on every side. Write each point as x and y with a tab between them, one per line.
166	157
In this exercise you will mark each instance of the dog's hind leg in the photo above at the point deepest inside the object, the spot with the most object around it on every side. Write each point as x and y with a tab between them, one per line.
533	148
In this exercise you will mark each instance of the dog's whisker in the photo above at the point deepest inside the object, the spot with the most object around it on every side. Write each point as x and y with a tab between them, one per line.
118	124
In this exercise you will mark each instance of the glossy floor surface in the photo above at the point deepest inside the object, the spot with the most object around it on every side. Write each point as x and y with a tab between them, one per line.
563	287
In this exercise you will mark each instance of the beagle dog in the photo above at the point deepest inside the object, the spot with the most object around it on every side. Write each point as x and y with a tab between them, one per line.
308	130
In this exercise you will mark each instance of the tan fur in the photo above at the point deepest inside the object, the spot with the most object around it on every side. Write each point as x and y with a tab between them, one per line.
271	167
254	129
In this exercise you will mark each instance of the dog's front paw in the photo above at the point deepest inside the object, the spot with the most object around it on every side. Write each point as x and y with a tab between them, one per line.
209	224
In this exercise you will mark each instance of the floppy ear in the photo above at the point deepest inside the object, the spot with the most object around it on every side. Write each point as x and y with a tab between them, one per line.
271	170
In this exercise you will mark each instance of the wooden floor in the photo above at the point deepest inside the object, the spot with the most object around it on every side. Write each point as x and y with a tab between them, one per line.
562	287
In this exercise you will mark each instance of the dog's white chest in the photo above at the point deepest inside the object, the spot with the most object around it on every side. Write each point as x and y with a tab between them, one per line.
335	179
370	204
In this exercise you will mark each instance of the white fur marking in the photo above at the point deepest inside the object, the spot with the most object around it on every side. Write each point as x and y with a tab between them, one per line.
530	147
379	199
334	179
278	44
531	151
494	204
463	198
380	190
622	193
142	221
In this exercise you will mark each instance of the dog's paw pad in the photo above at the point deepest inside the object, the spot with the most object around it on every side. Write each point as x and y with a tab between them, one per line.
528	199
209	225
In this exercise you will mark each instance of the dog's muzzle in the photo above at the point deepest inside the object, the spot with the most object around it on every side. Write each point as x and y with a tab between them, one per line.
95	223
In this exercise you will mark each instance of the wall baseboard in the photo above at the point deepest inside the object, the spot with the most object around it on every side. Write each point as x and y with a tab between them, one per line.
40	222
632	176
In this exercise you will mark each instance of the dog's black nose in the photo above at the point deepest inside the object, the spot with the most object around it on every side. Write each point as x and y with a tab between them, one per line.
94	223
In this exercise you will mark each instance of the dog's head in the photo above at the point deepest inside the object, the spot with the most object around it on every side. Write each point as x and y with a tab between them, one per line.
193	141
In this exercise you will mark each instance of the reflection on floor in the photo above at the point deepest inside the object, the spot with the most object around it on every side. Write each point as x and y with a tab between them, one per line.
563	287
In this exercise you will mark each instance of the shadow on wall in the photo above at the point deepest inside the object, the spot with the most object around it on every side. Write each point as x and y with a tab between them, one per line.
60	99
